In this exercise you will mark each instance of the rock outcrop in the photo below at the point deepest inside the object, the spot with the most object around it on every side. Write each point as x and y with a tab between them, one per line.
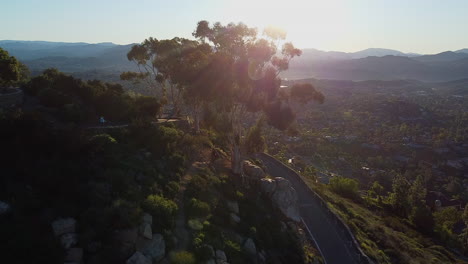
4	207
145	231
233	206
156	248
63	226
138	258
68	240
283	196
234	218
221	257
250	248
252	171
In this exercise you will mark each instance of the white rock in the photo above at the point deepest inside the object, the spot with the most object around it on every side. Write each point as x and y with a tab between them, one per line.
68	240
145	231
220	255
252	171
63	226
147	218
249	247
235	218
4	207
285	198
156	248
267	186
233	206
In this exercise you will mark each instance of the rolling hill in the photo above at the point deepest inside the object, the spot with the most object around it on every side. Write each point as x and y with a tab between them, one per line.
369	64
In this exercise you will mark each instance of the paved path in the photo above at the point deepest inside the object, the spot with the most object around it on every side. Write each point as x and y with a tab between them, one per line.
335	249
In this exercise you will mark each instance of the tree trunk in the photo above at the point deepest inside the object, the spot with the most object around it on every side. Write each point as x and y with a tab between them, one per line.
236	159
236	148
197	121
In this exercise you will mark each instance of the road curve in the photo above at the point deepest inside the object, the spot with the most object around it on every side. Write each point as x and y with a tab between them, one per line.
334	247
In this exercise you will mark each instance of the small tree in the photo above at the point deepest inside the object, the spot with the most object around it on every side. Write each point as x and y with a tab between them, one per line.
399	197
11	70
255	141
345	187
246	76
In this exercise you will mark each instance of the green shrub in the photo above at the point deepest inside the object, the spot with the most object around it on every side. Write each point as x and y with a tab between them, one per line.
195	224
125	214
198	208
345	187
163	211
203	253
172	189
182	257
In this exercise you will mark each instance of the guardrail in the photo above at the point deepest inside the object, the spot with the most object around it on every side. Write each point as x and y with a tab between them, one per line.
353	244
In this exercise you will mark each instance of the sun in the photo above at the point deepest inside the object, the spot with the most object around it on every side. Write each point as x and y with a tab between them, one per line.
308	23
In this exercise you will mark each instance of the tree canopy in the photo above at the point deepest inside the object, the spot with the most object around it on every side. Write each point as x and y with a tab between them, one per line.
11	70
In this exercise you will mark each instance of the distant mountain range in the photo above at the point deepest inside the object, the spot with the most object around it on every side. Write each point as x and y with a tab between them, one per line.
70	57
379	64
368	64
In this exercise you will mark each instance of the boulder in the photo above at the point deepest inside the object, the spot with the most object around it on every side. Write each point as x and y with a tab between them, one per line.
156	248
220	256
252	171
267	186
147	218
212	252
285	198
68	240
141	243
145	231
74	255
210	261
63	226
249	247
234	218
4	207
138	258
233	206
261	257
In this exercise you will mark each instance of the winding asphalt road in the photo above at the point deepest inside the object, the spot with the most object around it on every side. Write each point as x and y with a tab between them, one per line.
334	248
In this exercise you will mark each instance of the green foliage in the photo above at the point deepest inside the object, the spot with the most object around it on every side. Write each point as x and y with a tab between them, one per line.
172	189
125	214
198	208
465	215
203	252
10	68
421	217
377	189
94	97
163	211
305	92
255	141
399	198
344	186
182	257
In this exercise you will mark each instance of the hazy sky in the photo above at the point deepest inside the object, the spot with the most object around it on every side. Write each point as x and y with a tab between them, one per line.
422	26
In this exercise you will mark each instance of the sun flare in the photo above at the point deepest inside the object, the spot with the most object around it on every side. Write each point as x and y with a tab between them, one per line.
323	21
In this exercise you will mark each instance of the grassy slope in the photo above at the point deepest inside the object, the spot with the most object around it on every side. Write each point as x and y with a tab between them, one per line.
383	237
